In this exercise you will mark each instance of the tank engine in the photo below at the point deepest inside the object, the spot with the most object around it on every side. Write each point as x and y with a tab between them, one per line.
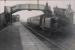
35	21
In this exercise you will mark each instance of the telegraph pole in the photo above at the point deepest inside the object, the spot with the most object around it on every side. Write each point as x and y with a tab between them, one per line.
29	5
5	2
38	4
4	6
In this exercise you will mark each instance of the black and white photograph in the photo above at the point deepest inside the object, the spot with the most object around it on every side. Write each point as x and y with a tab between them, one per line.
37	24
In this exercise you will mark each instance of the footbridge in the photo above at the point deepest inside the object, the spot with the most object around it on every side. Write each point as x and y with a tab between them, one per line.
20	7
44	8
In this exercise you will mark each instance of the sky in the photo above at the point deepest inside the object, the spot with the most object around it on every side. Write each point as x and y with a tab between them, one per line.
24	14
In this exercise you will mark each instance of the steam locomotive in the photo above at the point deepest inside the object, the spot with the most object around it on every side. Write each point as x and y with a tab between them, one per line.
52	24
45	23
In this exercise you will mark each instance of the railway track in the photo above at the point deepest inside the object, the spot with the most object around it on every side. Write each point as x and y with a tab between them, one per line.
48	42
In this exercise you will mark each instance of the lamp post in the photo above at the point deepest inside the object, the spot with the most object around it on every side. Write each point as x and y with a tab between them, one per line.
5	12
8	15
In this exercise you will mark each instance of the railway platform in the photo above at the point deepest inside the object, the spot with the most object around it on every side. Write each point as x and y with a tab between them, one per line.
17	37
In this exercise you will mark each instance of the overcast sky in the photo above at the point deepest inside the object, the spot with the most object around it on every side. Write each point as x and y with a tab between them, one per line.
26	14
